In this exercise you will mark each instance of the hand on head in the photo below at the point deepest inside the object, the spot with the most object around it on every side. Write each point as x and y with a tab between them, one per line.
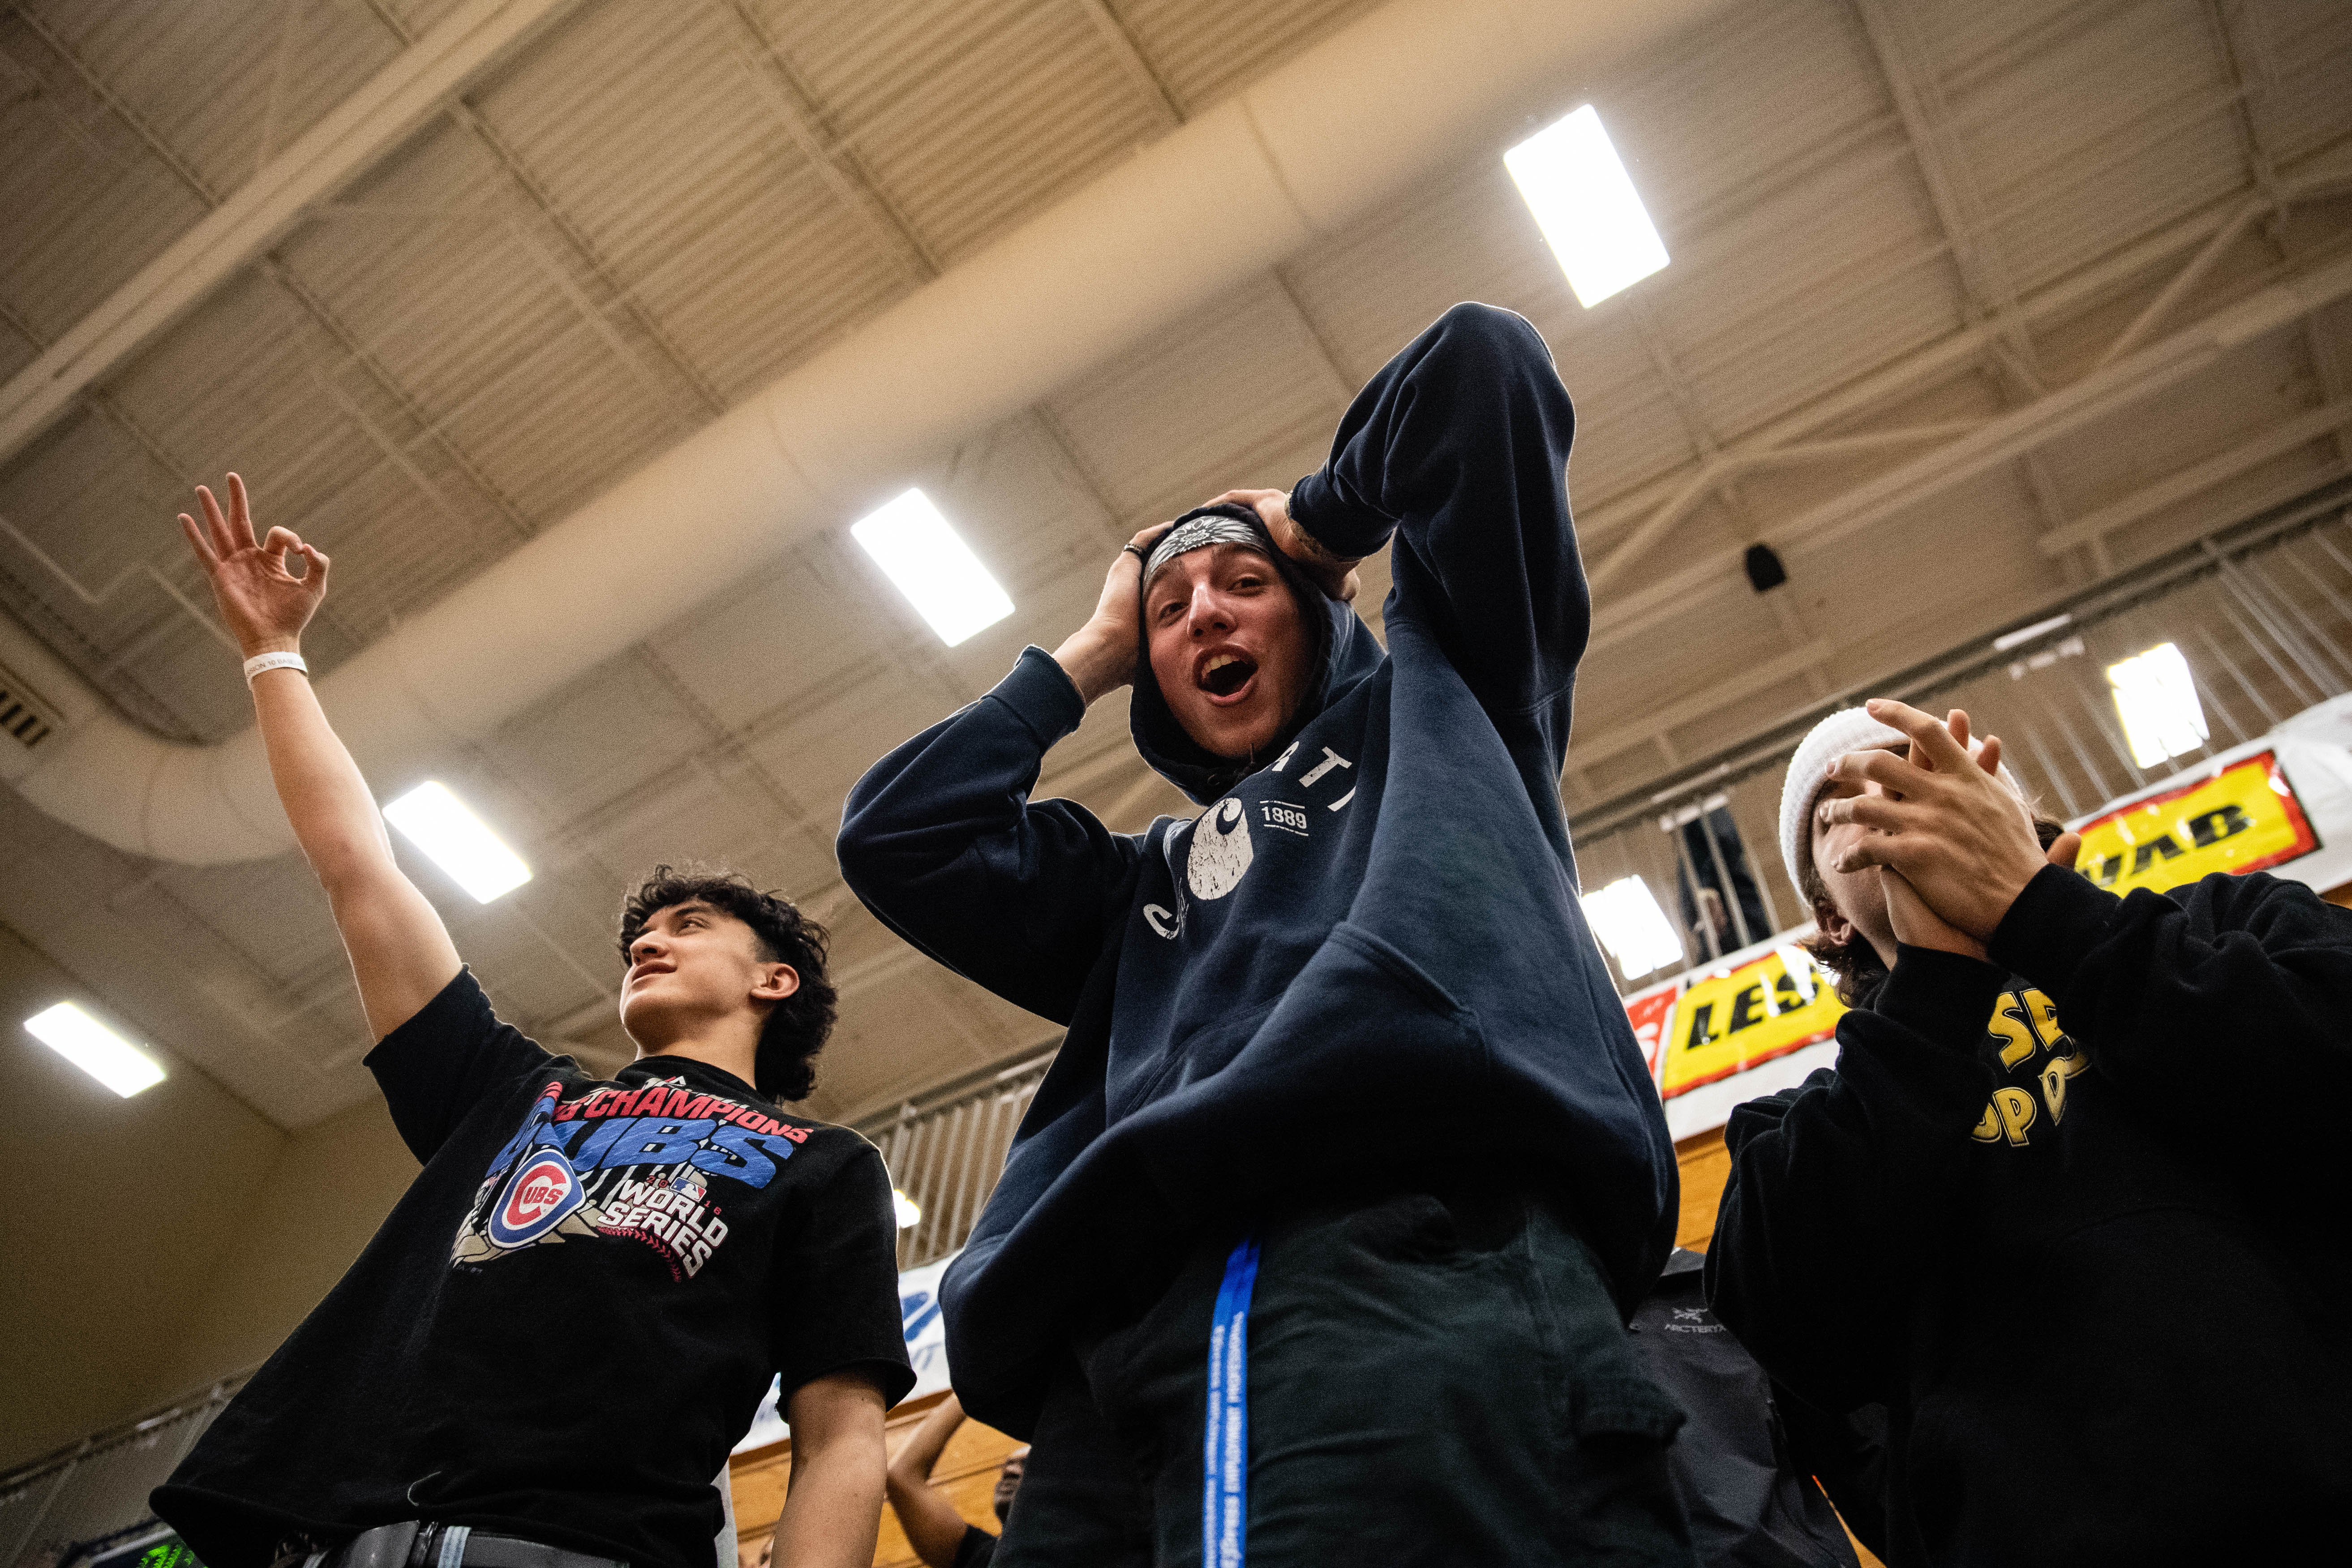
264	605
1335	574
1100	657
1953	845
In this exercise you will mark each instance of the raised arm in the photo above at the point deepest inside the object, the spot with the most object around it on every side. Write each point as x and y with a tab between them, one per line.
400	952
934	1529
1459	447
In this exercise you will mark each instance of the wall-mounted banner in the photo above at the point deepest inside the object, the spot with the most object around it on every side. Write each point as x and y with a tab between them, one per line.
1742	1014
2242	815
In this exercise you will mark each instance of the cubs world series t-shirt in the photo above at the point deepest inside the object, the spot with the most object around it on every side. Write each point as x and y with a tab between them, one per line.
570	1316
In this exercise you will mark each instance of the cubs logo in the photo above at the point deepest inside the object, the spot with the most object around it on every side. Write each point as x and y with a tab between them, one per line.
1221	851
543	1192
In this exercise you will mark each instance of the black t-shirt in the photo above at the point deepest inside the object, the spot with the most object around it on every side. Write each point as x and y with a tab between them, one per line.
570	1317
976	1550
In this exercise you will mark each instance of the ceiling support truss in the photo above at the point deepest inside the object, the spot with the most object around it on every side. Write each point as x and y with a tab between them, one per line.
241	228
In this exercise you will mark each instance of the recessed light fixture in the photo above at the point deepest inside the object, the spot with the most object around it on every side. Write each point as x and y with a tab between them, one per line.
1586	205
932	565
909	1212
458	841
2155	697
1631	926
96	1049
2008	640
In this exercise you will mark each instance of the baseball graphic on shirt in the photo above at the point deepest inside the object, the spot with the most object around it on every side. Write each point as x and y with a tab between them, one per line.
1221	851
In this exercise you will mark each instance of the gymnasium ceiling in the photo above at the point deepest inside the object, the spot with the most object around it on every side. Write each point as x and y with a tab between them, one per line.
1906	240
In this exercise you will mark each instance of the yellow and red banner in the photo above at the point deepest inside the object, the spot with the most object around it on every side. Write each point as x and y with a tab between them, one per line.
2245	818
1728	1019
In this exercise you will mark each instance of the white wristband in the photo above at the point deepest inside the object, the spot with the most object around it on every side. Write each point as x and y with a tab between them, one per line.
262	661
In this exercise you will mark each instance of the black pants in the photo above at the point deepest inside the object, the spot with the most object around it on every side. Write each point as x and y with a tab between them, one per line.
1432	1380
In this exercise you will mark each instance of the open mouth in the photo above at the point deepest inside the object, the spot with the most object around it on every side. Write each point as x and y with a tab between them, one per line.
1225	675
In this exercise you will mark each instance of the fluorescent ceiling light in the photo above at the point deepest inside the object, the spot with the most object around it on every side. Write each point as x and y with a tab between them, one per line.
933	567
2008	640
909	1214
1586	205
2156	699
458	841
96	1049
1633	928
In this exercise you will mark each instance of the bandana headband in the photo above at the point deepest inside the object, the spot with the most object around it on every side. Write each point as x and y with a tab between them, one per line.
1199	533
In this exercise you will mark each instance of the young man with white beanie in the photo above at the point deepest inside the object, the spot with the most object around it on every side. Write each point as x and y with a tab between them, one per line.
2080	1267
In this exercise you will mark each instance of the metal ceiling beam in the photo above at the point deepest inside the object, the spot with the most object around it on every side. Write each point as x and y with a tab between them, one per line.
1129	56
1988	291
2198	478
323	161
835	162
2014	433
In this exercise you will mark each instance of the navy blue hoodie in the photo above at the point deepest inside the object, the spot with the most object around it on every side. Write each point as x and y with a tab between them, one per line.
1364	961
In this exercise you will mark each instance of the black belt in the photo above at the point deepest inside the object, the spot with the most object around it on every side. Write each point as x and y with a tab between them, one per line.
418	1543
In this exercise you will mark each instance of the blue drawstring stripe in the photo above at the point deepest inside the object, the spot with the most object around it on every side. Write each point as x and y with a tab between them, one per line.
1225	1462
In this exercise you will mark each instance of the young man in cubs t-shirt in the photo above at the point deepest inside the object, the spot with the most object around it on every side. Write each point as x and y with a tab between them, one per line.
546	1352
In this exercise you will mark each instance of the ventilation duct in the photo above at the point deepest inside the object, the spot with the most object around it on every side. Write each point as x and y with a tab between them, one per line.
1389	99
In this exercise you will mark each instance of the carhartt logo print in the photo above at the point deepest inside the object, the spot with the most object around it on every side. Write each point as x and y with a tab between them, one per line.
1221	850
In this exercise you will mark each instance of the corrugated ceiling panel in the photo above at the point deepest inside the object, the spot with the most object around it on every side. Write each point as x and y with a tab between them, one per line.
420	16
1465	235
1206	49
87	205
605	734
1716	118
2300	57
2125	96
214	78
765	275
987	152
769	640
1892	302
892	60
1220	382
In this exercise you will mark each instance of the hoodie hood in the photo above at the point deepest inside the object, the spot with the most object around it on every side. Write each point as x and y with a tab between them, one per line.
1346	652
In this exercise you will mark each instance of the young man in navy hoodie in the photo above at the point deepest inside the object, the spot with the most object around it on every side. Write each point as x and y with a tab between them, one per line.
1318	1238
2065	1207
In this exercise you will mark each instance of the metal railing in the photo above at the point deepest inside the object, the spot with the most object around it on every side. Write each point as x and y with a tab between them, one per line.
946	1151
54	1509
2261	610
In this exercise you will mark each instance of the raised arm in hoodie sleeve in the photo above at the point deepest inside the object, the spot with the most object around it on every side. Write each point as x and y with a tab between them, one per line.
941	841
1833	1205
2166	989
1459	447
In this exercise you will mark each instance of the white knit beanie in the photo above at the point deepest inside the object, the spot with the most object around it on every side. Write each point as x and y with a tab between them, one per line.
1847	730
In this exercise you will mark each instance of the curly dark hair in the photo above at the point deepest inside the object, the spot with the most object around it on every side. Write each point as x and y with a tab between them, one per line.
1859	970
785	1068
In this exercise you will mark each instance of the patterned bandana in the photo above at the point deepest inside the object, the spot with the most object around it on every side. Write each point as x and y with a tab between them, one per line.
1199	533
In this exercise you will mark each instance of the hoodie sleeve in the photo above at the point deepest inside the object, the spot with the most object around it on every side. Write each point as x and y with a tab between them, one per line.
1459	449
941	841
2164	988
1836	1189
